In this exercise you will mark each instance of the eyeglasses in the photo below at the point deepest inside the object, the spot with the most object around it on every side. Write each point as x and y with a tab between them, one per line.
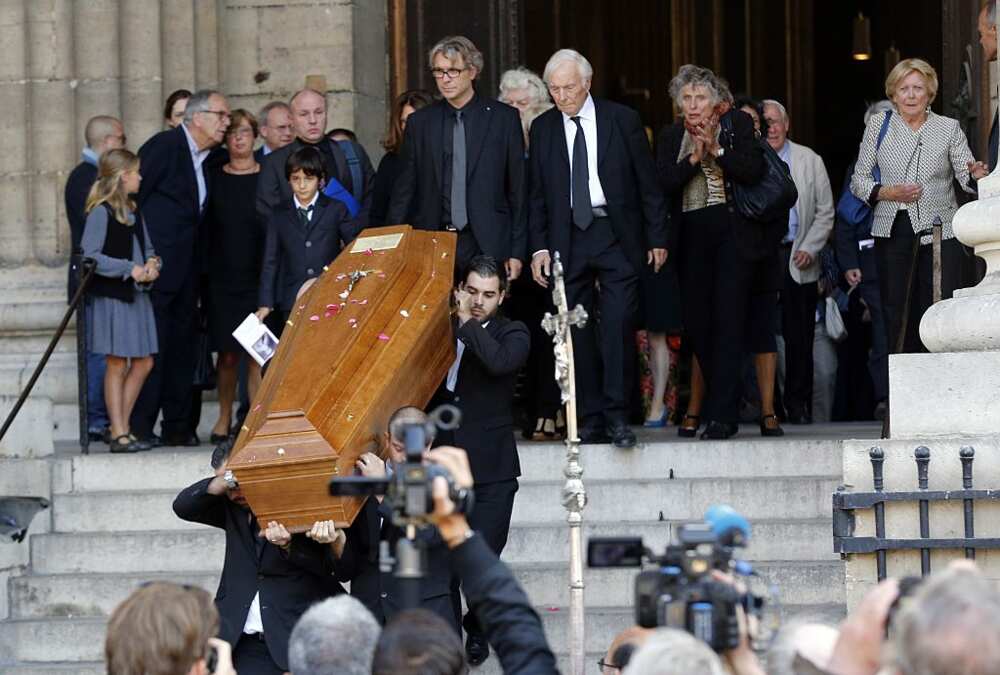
451	73
223	114
602	664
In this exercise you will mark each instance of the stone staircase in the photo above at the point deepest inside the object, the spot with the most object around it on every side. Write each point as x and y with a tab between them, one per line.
111	527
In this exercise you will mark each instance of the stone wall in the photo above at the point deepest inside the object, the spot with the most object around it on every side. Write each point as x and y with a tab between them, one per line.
65	61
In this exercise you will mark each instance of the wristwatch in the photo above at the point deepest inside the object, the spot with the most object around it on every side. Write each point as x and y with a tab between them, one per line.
230	480
721	152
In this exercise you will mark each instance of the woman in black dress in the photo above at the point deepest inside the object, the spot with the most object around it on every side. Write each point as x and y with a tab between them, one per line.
235	250
390	166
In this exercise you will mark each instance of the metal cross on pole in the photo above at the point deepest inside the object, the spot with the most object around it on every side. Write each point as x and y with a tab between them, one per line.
574	495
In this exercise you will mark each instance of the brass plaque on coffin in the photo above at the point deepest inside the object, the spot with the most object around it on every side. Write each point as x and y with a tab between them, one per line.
371	335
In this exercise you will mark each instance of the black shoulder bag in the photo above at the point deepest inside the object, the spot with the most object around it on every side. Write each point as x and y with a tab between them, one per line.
773	194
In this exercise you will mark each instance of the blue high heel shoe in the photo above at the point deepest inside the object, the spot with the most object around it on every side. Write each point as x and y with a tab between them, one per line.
657	424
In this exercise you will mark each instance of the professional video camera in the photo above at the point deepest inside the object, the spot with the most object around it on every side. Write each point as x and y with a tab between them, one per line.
682	593
408	492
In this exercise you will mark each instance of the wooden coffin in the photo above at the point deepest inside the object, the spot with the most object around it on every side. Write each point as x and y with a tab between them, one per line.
371	335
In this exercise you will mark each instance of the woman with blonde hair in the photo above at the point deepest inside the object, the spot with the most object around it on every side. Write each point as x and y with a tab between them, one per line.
121	322
909	159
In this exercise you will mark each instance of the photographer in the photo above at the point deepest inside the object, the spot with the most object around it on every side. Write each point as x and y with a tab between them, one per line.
360	561
166	629
494	597
269	577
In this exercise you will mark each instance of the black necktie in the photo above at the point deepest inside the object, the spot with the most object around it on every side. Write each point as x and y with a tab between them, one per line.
583	216
304	215
459	214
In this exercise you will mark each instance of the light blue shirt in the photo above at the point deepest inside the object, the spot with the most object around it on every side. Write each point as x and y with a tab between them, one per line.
793	215
198	159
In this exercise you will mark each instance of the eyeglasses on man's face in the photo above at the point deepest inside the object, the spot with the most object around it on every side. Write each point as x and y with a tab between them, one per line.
450	73
222	114
606	668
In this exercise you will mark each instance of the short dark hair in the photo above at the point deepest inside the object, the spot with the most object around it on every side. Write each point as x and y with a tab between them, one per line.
168	107
746	101
418	642
306	160
408	414
487	266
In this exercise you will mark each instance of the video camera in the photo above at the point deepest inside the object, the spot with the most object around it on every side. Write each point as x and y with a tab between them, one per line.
682	593
408	490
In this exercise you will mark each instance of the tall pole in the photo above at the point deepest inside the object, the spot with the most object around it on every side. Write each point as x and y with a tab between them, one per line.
574	495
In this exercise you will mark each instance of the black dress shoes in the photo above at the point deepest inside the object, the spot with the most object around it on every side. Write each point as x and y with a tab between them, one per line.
621	436
593	436
189	440
799	418
718	431
477	649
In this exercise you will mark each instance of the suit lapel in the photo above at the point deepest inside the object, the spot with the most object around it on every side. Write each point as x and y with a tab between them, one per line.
559	137
604	126
188	167
437	138
318	208
478	126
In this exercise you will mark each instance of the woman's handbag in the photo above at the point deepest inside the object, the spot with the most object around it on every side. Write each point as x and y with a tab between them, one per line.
850	209
834	322
770	197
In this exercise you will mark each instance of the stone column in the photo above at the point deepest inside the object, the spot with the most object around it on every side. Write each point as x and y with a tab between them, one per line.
141	93
96	53
51	131
177	29
15	230
206	45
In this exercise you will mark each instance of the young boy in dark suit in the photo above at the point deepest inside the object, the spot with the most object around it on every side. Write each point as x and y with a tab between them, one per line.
303	234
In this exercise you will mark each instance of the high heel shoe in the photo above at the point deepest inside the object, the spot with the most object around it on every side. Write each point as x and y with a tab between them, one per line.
770	431
657	423
685	430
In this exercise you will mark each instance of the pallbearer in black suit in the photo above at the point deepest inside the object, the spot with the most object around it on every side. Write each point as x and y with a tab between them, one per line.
595	200
479	141
490	351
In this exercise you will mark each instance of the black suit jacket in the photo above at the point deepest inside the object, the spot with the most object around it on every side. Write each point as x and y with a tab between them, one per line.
293	254
359	564
288	582
628	177
168	199
742	162
993	143
495	185
78	185
273	188
484	393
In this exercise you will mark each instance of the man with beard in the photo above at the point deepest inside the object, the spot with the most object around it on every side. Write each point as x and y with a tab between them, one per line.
349	171
490	349
269	577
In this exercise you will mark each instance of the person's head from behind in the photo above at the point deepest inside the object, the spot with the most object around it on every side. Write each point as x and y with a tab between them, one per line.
419	642
395	435
799	645
104	133
405	105
334	637
485	281
669	651
117	178
305	173
308	108
173	108
161	629
622	648
949	626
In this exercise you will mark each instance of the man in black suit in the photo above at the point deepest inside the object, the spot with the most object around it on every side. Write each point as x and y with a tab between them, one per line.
102	133
360	561
171	199
308	108
595	200
269	577
490	351
276	129
476	138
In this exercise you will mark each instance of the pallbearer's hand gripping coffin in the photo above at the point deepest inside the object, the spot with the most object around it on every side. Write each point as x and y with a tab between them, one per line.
372	334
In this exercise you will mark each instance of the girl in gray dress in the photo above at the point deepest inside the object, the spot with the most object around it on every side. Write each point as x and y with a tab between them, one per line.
121	325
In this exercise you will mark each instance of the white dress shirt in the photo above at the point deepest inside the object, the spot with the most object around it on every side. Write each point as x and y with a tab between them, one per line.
254	623
588	120
198	159
307	207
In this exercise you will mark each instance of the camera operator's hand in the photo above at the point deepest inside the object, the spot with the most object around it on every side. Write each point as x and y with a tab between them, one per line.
277	534
859	647
742	660
223	657
454	528
326	532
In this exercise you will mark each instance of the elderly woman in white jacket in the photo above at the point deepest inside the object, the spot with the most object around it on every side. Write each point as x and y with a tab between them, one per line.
920	156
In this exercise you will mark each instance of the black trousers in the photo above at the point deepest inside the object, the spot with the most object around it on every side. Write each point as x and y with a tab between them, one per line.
527	301
466	248
878	357
168	386
715	276
494	504
798	327
604	349
893	257
251	657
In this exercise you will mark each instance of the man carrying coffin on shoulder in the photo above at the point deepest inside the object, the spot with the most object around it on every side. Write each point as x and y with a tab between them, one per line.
490	349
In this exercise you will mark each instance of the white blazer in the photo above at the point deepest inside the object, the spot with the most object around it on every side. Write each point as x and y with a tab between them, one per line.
815	209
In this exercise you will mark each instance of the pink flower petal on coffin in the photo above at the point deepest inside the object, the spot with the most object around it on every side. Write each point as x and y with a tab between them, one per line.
363	302
381	275
369	252
383	337
332	308
314	317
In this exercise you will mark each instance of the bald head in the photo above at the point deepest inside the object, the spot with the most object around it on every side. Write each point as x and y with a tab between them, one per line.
104	133
308	108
